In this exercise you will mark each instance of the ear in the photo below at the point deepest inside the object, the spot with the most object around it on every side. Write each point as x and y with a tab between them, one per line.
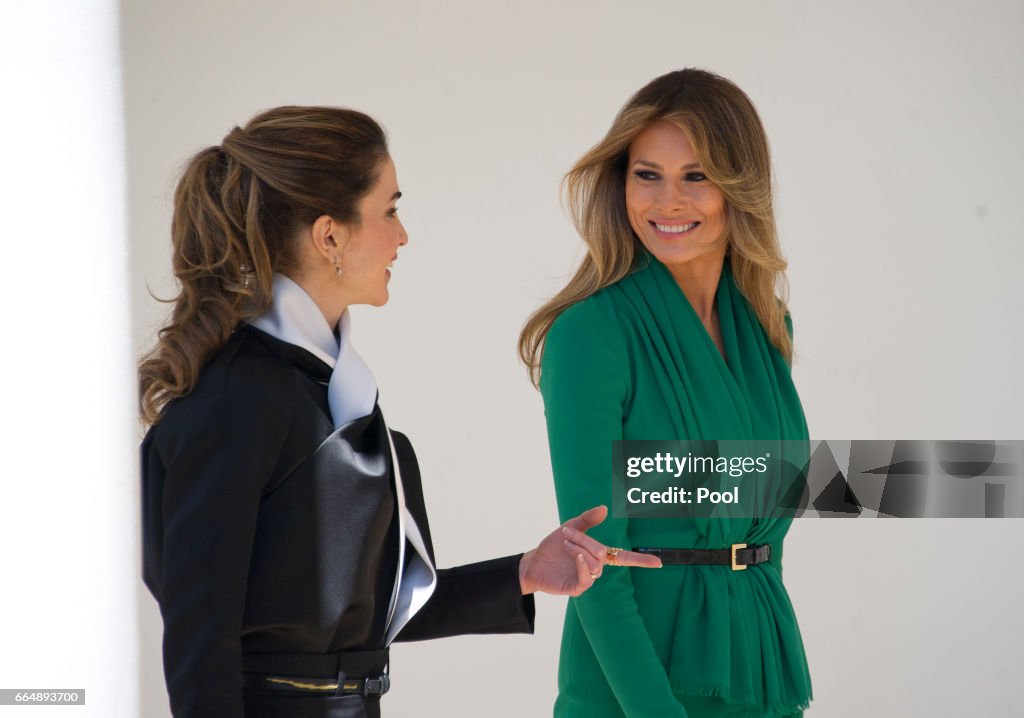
329	237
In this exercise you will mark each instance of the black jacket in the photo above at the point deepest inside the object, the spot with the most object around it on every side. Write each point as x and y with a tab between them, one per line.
267	530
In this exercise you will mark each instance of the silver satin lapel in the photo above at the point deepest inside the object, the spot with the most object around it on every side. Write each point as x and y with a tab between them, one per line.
418	575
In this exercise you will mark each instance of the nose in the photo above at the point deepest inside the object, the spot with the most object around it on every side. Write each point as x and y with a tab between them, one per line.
672	197
403	236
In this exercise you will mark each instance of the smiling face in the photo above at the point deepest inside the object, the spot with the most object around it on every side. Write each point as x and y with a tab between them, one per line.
372	245
677	213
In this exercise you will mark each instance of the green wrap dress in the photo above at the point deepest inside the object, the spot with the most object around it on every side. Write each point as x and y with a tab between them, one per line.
633	361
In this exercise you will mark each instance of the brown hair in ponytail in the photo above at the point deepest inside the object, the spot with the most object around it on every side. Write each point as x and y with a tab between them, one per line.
237	209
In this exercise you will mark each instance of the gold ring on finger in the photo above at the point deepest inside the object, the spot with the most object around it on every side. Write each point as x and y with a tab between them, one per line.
612	556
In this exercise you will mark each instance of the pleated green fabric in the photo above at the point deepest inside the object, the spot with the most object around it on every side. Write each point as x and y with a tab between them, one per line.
634	361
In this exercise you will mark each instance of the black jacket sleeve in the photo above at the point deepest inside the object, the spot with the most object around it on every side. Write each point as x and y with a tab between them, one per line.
483	597
206	469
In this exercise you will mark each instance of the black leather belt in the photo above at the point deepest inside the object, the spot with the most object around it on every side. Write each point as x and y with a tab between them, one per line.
738	556
332	674
374	686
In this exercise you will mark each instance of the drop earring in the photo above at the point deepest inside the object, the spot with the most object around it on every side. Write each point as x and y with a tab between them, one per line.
337	269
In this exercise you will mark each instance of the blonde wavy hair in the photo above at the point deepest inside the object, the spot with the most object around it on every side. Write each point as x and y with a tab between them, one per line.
730	142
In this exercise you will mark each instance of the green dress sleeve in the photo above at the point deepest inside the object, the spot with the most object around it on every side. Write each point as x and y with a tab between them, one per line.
585	384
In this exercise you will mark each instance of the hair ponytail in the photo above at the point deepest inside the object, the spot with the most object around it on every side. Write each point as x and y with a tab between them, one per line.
237	208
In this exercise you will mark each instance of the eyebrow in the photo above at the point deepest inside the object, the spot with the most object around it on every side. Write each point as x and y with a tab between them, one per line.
395	196
655	165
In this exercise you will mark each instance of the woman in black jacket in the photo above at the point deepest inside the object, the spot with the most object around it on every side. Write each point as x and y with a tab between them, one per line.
284	529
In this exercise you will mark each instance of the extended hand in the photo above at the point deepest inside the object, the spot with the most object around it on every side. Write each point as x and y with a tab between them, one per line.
567	561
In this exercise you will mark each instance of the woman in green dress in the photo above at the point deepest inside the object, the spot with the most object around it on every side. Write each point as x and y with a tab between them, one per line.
672	329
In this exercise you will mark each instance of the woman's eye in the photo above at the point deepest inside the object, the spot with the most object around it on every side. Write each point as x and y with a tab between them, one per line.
696	177
646	175
393	212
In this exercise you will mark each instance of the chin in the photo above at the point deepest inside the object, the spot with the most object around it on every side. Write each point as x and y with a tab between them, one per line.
679	255
673	255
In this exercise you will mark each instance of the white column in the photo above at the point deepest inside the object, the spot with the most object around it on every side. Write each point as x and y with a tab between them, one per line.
69	557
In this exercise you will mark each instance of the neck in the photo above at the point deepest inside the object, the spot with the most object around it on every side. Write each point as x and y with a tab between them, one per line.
698	278
326	296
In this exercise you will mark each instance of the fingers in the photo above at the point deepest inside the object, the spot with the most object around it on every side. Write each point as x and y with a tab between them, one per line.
583	578
599	552
641	560
592	546
588	519
594	552
594	565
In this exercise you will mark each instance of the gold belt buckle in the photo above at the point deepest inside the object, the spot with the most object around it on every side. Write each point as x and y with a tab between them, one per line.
738	566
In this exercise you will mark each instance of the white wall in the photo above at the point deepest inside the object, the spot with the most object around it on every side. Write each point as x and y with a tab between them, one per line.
68	512
896	136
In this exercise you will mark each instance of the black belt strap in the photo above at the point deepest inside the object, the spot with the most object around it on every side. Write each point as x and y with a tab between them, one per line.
342	673
373	686
739	556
